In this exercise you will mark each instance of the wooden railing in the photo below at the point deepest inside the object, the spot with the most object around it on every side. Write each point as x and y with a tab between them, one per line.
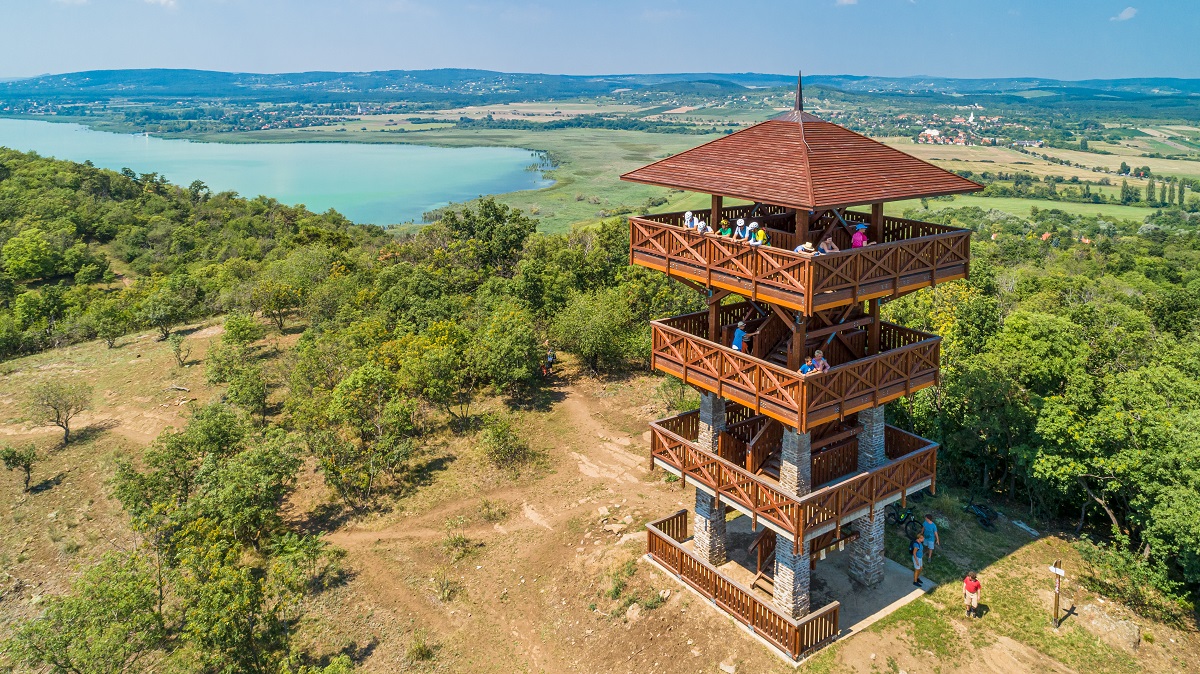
836	461
910	255
907	363
672	444
796	638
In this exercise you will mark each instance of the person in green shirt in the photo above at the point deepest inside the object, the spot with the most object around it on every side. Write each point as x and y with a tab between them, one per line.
725	229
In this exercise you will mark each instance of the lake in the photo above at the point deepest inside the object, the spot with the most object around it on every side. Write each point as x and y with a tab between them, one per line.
378	184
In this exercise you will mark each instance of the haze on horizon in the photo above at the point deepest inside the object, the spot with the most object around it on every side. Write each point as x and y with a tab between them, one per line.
1064	39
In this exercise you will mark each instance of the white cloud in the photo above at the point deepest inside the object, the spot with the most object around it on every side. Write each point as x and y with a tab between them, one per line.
1125	15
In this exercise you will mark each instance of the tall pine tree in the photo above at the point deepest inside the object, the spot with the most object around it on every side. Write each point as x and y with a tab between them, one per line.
1150	191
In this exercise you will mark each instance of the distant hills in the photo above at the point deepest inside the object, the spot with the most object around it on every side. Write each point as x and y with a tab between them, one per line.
453	85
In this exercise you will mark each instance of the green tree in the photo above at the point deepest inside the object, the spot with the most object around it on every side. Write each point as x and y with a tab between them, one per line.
500	230
277	299
248	390
506	349
169	301
242	329
108	623
30	255
110	318
1150	191
595	326
56	402
22	459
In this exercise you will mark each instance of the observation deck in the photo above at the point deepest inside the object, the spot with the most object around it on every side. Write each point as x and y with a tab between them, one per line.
847	494
908	361
909	255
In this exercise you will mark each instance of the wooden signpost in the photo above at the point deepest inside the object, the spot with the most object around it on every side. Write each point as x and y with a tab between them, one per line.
1058	572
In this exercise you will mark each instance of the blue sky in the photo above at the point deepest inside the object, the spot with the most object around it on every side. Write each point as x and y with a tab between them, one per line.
1069	39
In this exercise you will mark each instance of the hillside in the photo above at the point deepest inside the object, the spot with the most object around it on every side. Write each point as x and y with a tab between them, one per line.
368	469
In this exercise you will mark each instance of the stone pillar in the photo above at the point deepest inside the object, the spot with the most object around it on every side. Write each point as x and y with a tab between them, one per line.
791	579
866	551
712	421
871	454
709	538
795	462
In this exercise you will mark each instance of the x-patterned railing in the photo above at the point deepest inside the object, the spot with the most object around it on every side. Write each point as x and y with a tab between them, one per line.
910	255
908	363
795	516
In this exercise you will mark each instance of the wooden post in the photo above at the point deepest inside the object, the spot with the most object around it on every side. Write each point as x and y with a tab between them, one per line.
873	331
876	223
714	220
714	326
1058	572
801	226
799	337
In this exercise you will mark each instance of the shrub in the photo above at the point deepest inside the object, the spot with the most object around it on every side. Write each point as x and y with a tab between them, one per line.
503	448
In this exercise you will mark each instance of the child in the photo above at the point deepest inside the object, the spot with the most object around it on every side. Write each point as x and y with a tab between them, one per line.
931	537
725	230
971	587
807	367
916	549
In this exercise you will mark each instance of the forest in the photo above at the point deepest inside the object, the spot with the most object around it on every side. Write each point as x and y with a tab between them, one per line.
1070	363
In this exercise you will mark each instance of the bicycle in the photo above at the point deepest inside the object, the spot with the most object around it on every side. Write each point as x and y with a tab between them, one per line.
905	519
983	513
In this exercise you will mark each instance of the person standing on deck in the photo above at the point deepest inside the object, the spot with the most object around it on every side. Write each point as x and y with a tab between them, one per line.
689	221
725	229
740	233
916	549
860	239
819	362
739	336
931	537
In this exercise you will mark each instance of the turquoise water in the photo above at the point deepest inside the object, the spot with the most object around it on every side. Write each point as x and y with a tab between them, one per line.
379	184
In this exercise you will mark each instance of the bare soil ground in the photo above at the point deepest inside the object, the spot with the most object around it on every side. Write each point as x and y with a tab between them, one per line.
539	585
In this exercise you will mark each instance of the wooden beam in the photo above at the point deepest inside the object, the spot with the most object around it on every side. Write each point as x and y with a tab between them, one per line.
788	319
799	337
691	284
877	223
873	331
801	223
715	296
840	327
714	324
714	220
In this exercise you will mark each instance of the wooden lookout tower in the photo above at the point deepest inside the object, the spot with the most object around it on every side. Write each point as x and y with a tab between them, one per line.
808	457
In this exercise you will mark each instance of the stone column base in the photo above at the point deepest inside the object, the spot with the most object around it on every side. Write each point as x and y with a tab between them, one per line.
712	421
871	452
791	579
795	462
866	552
708	540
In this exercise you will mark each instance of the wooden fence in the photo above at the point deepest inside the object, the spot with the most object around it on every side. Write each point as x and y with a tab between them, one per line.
908	362
797	638
672	443
910	255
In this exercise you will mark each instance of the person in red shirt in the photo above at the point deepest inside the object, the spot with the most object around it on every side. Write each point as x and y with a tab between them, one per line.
971	594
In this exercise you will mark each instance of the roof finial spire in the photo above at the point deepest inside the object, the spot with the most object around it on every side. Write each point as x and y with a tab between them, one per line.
799	107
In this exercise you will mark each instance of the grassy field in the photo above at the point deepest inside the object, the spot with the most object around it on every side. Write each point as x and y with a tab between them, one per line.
1021	207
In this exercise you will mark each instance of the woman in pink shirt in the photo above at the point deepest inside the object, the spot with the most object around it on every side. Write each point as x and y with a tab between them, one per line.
860	237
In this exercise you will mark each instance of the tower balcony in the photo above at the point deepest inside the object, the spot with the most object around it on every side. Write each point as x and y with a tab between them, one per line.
908	255
907	361
847	495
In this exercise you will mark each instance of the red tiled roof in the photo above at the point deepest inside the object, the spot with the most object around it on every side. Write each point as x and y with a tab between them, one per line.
801	161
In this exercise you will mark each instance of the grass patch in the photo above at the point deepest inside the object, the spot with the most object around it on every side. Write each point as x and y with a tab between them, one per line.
491	511
930	629
420	649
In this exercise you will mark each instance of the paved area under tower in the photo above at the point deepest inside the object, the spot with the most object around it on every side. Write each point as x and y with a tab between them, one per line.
830	581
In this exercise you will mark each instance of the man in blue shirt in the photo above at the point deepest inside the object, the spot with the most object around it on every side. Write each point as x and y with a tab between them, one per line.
931	537
739	336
